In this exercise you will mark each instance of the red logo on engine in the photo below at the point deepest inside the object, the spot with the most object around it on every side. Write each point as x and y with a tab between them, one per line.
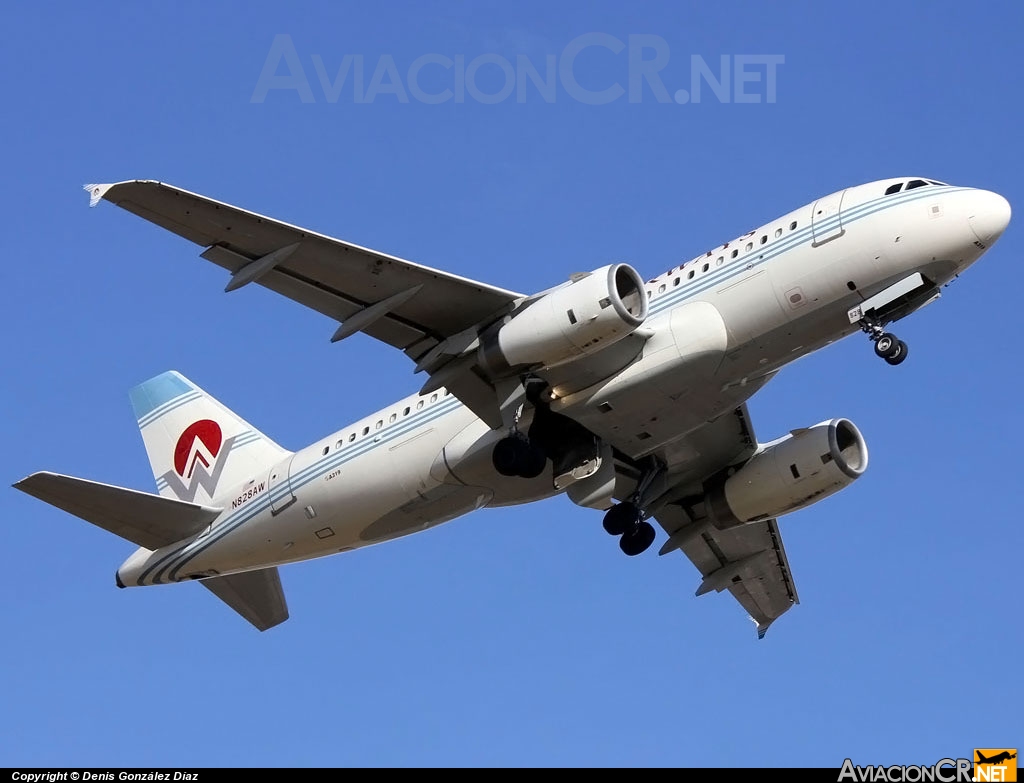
187	452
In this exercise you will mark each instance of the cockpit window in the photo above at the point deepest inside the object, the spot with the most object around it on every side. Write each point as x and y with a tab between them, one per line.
942	184
916	183
893	188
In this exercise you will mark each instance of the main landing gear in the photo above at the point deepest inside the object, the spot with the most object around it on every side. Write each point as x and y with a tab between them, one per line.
887	346
627	519
516	456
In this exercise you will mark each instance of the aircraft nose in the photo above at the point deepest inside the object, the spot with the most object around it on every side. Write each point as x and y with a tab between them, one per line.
989	216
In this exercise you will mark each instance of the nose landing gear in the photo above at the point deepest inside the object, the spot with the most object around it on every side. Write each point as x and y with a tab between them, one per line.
893	350
887	346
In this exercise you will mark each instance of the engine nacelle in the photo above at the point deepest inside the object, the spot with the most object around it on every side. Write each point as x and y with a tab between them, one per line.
573	320
789	474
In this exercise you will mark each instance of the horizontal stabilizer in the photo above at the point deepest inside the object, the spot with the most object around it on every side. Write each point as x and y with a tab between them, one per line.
148	520
256	595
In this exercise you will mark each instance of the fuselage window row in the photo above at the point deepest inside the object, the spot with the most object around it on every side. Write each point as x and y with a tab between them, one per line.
392	418
718	262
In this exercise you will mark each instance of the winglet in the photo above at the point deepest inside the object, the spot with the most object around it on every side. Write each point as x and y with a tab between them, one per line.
96	193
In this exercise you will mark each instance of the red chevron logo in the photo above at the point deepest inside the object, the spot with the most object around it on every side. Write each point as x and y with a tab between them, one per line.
200	442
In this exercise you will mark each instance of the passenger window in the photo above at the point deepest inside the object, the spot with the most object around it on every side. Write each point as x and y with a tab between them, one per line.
735	253
366	430
661	288
391	419
764	238
433	398
326	449
750	246
916	183
351	437
778	233
893	188
705	268
419	405
405	412
719	261
379	424
339	444
689	275
792	226
676	281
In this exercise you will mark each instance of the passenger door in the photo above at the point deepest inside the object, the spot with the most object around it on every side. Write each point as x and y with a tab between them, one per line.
827	218
278	481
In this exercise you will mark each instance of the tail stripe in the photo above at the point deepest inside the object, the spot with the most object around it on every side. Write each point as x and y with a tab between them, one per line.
167	407
251	436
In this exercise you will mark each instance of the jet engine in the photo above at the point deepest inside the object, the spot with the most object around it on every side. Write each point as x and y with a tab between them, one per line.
581	317
789	474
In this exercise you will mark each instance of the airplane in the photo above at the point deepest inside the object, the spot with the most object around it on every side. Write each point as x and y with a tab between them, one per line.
996	759
627	395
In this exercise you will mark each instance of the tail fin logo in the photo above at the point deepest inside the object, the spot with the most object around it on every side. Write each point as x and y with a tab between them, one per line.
199	458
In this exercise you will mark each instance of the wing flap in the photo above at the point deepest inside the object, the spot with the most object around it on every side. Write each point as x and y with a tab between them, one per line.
148	520
749	561
391	328
256	595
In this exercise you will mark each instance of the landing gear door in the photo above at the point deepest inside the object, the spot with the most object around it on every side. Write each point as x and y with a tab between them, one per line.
827	218
279	486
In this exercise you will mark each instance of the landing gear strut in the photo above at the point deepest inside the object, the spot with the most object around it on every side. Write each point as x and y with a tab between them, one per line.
516	454
627	518
887	346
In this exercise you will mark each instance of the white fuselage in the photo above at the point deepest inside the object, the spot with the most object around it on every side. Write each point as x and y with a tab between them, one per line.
718	328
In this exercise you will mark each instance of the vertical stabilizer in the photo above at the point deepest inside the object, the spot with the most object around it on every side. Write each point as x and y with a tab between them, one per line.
197	448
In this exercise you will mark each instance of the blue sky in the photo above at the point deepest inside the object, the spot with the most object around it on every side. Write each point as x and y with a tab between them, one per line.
519	636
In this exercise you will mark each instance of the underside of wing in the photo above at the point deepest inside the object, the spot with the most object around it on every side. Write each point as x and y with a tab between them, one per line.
748	560
406	305
448	325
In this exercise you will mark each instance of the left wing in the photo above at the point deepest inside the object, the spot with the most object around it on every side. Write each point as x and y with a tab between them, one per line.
749	561
411	307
